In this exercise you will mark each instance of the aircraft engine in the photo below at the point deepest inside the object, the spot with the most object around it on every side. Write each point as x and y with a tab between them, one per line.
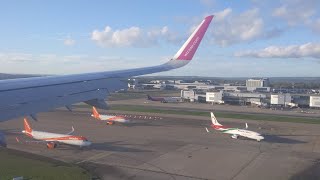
51	145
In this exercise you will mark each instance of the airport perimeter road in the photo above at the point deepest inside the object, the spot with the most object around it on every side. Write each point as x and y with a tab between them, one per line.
178	148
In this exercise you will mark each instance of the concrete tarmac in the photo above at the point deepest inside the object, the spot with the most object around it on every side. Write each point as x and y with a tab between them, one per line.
173	147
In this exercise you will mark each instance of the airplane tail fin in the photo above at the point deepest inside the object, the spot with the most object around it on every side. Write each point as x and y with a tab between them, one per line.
72	130
27	127
95	113
214	120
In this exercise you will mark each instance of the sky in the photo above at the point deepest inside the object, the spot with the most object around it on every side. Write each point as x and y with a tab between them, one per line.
245	39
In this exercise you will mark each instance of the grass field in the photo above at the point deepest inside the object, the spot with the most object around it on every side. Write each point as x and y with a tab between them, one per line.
15	163
140	94
262	117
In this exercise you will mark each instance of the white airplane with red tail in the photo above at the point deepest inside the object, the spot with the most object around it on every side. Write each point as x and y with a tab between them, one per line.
110	119
235	132
53	139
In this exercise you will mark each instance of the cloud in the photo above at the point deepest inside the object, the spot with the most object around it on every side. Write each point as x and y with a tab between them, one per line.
315	26
294	51
6	57
110	38
207	3
15	57
135	37
274	32
158	32
295	12
228	28
231	29
299	12
164	34
69	42
130	37
219	16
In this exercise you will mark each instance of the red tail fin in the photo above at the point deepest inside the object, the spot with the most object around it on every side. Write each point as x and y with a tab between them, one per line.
95	113
27	126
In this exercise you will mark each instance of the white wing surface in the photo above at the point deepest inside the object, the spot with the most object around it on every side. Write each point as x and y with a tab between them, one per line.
28	96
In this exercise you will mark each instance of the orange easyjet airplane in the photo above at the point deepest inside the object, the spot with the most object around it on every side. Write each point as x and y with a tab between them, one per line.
110	119
53	139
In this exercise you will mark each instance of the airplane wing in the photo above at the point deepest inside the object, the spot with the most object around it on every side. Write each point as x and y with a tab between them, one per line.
3	141
28	96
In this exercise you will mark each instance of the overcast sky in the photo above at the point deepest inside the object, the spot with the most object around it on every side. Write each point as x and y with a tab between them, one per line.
246	38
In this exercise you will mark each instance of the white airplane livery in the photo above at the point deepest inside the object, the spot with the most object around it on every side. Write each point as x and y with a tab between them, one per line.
53	139
28	96
235	132
110	119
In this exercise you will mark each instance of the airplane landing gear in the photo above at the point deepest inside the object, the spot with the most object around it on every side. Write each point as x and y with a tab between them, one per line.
234	136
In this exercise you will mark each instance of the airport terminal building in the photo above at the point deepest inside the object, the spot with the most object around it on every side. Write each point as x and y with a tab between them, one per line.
255	92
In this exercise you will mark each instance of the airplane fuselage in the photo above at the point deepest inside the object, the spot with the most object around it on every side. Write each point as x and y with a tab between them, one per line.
239	132
61	138
119	119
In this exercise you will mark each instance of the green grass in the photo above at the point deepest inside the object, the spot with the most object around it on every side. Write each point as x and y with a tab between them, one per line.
262	117
139	94
15	163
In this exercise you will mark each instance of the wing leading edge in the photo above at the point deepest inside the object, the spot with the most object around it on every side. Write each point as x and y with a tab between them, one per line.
26	96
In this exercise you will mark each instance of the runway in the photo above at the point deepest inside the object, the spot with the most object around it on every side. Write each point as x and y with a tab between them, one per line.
175	147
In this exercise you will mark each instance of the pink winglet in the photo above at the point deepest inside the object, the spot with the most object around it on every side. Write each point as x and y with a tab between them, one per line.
191	45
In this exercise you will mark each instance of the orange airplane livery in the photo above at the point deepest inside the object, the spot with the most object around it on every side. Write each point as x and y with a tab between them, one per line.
110	119
53	139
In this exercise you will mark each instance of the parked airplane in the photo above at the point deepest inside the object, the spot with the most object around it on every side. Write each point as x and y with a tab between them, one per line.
164	99
259	104
110	119
291	105
28	96
234	131
53	139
